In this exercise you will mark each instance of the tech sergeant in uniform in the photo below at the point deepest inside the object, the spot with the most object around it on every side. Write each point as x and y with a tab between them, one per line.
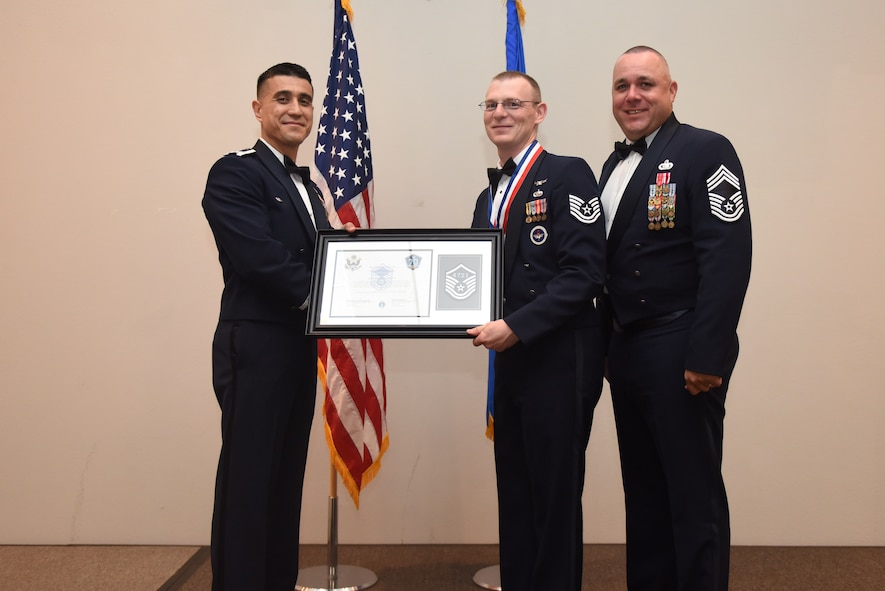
264	214
549	360
679	249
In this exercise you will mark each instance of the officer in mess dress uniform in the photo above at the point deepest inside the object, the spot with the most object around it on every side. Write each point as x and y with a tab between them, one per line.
264	213
679	249
549	344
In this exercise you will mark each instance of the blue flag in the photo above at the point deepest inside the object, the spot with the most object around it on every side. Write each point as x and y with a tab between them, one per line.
515	62
513	41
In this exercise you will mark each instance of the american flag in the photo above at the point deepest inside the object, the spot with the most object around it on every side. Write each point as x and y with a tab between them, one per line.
351	370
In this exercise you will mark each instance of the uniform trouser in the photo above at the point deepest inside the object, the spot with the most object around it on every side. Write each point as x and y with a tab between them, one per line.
670	444
264	376
544	400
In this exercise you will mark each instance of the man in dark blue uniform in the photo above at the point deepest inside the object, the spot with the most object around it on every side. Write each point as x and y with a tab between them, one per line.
549	345
264	213
679	249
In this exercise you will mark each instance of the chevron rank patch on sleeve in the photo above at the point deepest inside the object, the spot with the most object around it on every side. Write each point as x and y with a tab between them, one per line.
586	212
724	191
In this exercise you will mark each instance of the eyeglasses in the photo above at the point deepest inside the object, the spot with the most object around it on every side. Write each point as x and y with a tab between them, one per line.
508	104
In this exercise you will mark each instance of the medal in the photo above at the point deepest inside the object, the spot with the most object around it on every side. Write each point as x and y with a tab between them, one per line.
652	190
670	206
536	210
499	210
661	202
659	197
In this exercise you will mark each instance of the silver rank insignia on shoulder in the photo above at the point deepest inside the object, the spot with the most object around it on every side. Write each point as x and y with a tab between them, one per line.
245	152
665	165
586	212
724	191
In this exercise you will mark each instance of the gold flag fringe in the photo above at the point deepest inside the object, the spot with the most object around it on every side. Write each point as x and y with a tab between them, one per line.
340	466
520	10
345	4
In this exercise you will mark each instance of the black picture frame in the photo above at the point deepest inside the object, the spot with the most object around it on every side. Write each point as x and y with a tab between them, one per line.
405	283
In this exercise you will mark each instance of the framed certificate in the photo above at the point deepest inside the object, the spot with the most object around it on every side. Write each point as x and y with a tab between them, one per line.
404	283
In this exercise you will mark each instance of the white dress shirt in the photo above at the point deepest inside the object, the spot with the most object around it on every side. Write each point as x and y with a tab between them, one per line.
617	182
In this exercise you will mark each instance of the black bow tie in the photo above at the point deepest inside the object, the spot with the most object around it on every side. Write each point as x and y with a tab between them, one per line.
495	174
302	171
623	148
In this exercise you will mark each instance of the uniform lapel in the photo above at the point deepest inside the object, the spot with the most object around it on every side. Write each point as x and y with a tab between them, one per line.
279	172
318	204
637	190
607	168
516	220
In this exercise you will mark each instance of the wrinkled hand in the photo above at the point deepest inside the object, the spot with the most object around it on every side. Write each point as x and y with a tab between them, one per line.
696	382
495	335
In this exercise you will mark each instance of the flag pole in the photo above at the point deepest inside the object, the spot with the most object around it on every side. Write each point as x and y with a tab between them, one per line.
490	576
332	576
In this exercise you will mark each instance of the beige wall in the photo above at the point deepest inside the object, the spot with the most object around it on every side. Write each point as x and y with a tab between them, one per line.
111	113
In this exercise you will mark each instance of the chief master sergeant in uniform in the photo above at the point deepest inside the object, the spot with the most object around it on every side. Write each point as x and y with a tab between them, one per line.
264	213
549	344
679	248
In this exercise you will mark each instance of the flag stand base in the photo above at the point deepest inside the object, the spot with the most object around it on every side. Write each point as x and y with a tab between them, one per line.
343	578
333	577
488	577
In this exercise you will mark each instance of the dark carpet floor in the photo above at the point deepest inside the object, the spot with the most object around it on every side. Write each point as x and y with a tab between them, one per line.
452	567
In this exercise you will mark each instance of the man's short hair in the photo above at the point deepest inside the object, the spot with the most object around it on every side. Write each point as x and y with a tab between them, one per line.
510	74
644	48
283	69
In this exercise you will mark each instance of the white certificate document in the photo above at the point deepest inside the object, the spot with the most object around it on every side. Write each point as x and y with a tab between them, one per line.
396	282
